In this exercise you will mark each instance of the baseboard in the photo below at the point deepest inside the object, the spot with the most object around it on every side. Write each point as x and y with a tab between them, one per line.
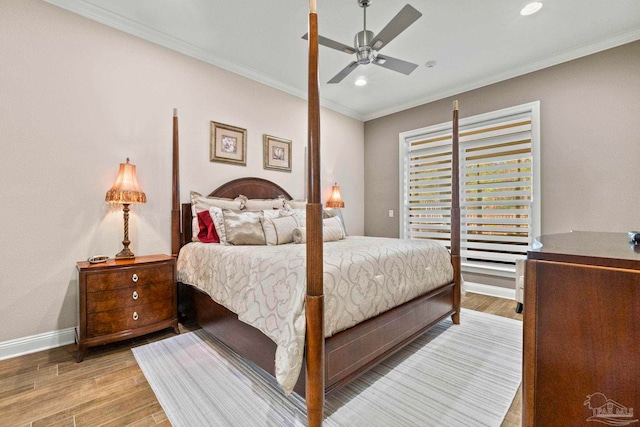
494	291
35	343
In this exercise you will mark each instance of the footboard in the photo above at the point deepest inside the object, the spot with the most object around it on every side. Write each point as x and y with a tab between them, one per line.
349	353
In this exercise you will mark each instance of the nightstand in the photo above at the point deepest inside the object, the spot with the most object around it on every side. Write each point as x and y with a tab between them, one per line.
121	299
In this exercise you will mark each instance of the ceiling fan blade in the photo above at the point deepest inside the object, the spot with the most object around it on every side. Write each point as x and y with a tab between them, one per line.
344	73
394	64
407	16
332	44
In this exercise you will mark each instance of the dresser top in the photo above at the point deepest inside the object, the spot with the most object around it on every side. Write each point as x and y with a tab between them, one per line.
112	262
587	247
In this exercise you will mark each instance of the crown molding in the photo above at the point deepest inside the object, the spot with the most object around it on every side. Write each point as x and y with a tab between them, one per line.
128	26
566	56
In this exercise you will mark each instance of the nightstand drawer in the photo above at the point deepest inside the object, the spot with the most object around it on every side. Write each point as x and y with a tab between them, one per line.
129	276
128	297
109	322
121	299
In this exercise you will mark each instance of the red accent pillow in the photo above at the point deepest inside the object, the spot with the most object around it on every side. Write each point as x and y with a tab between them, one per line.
207	233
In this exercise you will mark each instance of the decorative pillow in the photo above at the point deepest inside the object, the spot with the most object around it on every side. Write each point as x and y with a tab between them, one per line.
207	232
299	214
200	203
331	231
295	204
279	231
271	213
243	227
335	212
300	235
218	222
260	204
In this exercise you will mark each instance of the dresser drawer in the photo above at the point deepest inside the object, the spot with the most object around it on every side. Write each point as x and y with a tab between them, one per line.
129	276
109	322
128	297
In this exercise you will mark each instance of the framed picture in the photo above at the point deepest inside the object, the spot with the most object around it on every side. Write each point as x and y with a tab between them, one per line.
277	153
228	144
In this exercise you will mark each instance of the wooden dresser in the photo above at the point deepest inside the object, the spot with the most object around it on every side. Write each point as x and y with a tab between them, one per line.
125	299
581	363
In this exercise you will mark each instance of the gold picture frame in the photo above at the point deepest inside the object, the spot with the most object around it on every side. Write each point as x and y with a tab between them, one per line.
277	153
228	144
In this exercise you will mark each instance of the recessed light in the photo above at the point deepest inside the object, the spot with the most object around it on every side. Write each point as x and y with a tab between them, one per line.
361	81
531	8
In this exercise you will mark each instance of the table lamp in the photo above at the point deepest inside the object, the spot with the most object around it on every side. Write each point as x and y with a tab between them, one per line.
335	201
126	191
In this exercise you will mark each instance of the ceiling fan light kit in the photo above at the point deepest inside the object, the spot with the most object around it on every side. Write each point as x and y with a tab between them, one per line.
366	45
531	8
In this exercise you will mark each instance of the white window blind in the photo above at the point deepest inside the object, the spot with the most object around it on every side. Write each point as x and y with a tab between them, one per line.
499	206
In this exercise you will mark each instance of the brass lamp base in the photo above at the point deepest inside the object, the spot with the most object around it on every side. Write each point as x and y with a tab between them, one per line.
125	254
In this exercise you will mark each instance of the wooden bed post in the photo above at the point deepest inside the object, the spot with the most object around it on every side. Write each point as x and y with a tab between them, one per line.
455	215
175	196
315	298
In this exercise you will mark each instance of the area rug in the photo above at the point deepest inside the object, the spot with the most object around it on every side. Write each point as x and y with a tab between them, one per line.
455	375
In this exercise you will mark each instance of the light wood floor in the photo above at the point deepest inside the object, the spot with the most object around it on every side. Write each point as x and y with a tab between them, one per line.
108	388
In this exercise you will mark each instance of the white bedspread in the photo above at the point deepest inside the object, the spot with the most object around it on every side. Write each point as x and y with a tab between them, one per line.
266	285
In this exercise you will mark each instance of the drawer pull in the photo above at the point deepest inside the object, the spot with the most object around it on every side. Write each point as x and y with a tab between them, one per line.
135	315
134	277
135	295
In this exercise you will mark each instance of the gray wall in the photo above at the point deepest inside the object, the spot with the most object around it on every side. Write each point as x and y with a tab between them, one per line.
590	142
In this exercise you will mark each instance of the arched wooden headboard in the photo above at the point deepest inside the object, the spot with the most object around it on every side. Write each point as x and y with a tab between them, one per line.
253	188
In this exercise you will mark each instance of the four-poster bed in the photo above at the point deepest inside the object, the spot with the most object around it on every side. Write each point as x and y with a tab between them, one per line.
333	361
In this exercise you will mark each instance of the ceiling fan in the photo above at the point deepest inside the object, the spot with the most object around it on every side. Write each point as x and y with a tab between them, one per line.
366	46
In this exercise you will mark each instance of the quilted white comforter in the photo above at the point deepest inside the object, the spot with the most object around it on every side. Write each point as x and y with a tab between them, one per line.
266	285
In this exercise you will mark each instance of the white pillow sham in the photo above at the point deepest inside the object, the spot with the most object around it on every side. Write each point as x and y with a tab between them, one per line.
335	212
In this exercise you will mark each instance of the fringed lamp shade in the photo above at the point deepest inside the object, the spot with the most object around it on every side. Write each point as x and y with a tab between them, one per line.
335	201
126	191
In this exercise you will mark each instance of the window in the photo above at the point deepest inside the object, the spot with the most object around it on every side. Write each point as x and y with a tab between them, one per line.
499	186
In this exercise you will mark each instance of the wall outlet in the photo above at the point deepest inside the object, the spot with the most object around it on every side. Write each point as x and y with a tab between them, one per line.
390	213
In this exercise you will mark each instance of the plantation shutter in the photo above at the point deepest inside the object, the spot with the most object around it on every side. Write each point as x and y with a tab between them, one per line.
499	219
428	187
